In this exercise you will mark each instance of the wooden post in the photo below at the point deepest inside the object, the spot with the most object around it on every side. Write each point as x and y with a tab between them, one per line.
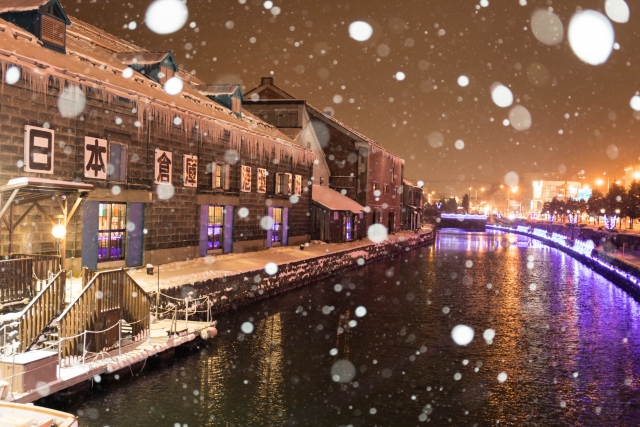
63	241
10	229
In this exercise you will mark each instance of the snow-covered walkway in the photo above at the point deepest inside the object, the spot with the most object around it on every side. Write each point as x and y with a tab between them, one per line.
200	269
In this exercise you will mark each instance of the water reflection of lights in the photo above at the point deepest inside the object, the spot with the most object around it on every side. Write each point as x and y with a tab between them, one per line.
267	403
579	249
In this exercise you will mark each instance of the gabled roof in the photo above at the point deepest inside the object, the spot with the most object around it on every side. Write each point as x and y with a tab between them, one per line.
267	83
145	58
410	182
91	64
347	129
189	77
220	89
27	5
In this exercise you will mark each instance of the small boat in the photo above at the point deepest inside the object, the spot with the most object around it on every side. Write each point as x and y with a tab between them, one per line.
28	415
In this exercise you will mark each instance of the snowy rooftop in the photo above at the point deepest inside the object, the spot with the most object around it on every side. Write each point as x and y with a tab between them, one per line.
219	89
333	200
89	61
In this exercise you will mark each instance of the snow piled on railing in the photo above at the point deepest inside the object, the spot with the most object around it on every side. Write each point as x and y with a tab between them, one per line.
579	247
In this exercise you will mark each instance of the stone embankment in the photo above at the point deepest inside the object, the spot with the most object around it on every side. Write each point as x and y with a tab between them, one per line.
600	250
239	288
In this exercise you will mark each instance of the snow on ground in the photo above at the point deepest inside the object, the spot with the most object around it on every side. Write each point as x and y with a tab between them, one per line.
210	267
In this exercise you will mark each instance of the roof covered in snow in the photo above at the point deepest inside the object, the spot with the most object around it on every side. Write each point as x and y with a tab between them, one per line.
333	200
89	62
21	5
267	85
406	181
219	89
327	118
142	58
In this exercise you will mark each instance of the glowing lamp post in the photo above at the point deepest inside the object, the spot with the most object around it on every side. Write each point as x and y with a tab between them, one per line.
59	231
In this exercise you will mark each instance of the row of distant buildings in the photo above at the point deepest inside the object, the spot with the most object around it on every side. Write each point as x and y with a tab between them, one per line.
540	188
97	141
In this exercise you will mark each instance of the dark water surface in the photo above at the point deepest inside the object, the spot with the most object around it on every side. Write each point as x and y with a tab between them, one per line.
570	349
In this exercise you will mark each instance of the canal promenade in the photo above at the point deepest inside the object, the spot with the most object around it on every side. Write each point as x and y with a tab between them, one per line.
621	269
232	280
211	285
224	265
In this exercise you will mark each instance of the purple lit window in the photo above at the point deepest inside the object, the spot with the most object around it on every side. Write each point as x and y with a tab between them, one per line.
112	218
215	227
277	225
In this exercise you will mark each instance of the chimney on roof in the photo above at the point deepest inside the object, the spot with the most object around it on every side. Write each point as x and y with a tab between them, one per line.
266	81
327	113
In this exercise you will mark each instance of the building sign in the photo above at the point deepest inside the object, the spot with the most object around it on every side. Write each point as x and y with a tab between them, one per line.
163	167
246	179
38	150
95	158
262	180
190	168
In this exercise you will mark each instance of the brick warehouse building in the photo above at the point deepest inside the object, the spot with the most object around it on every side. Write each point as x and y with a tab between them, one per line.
175	176
351	163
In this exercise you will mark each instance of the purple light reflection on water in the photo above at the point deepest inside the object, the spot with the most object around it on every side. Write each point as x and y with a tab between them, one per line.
574	322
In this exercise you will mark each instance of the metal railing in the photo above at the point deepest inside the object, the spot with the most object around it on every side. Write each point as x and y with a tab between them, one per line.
41	311
107	294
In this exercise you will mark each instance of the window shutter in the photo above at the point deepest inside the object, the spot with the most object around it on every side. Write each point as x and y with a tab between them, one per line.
123	163
114	161
214	165
53	30
227	174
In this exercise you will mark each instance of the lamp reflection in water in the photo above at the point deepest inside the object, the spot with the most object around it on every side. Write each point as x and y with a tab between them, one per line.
268	400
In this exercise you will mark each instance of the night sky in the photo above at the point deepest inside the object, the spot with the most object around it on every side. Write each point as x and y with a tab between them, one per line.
579	111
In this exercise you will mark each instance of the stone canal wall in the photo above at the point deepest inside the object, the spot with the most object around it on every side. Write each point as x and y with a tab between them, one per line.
232	291
624	274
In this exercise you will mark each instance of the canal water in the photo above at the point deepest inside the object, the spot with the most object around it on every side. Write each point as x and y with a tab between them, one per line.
566	350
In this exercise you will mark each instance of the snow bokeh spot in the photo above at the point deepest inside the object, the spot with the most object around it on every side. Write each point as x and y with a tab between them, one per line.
511	179
361	311
591	36
343	371
489	335
463	81
635	102
166	16
360	31
459	144
377	233
246	327
502	377
165	191
400	76
501	95
462	334
547	27
243	212
271	268
520	118
174	85
12	75
71	102
435	139
266	222
617	10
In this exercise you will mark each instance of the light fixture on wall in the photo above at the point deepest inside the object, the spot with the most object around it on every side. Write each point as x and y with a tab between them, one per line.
59	231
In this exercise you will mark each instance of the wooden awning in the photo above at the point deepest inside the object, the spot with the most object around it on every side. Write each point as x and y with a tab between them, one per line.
26	190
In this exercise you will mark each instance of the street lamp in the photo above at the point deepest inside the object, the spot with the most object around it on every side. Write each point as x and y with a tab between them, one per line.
59	231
